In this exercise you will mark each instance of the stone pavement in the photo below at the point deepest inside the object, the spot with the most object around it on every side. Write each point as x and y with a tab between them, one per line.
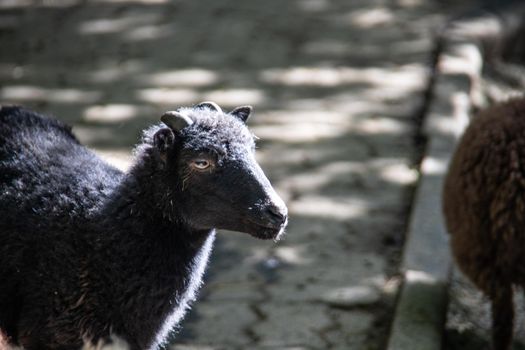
338	90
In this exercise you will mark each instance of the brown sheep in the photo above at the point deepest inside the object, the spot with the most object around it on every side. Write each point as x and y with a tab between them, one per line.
484	207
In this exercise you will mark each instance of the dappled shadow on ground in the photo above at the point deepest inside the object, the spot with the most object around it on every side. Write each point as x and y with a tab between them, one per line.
335	86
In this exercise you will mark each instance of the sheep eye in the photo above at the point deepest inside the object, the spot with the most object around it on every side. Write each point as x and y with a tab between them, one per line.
201	164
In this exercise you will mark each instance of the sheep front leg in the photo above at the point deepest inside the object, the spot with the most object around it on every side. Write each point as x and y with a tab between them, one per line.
502	308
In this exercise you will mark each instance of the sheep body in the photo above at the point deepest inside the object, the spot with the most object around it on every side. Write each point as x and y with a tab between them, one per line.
88	252
59	290
484	207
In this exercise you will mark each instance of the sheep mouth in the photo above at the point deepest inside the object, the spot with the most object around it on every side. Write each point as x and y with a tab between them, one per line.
268	231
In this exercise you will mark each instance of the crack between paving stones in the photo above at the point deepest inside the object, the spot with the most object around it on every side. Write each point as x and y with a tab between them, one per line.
249	331
334	326
255	308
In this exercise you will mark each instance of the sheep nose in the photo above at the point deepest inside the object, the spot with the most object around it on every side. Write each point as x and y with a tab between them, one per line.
277	215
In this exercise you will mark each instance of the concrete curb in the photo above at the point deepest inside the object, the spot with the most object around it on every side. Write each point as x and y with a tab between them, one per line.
421	308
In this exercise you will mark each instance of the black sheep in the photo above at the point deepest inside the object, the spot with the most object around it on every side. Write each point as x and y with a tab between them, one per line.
88	252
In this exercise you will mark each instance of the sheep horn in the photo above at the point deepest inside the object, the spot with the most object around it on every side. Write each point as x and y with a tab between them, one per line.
176	120
210	105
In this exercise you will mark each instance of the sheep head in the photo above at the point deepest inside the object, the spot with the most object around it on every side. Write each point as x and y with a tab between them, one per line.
210	169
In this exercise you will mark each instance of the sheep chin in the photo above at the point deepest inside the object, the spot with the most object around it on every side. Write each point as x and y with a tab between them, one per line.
268	233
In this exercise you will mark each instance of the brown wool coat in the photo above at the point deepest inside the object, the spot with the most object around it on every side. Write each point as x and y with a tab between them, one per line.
484	207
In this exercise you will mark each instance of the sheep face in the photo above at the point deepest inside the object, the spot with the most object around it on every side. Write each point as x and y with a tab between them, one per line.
209	156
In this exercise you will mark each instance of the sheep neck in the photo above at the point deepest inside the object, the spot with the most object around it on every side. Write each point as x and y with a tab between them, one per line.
169	257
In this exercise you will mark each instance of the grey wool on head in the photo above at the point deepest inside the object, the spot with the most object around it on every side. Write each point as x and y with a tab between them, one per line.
89	253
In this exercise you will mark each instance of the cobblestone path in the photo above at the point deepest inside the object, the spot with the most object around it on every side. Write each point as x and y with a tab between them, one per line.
337	87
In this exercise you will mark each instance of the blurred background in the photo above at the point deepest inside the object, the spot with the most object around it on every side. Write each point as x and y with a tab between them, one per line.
339	88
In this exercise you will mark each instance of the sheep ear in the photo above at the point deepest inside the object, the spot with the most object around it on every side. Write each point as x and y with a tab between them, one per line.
176	120
209	105
242	112
163	139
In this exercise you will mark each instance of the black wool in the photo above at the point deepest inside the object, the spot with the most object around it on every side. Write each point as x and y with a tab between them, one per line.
88	252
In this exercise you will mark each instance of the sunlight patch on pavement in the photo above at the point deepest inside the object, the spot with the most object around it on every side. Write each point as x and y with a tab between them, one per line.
115	25
235	97
370	18
114	71
300	117
389	92
445	122
381	125
112	113
407	77
168	96
399	173
308	132
434	166
294	255
181	77
26	93
322	176
149	32
466	59
330	208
